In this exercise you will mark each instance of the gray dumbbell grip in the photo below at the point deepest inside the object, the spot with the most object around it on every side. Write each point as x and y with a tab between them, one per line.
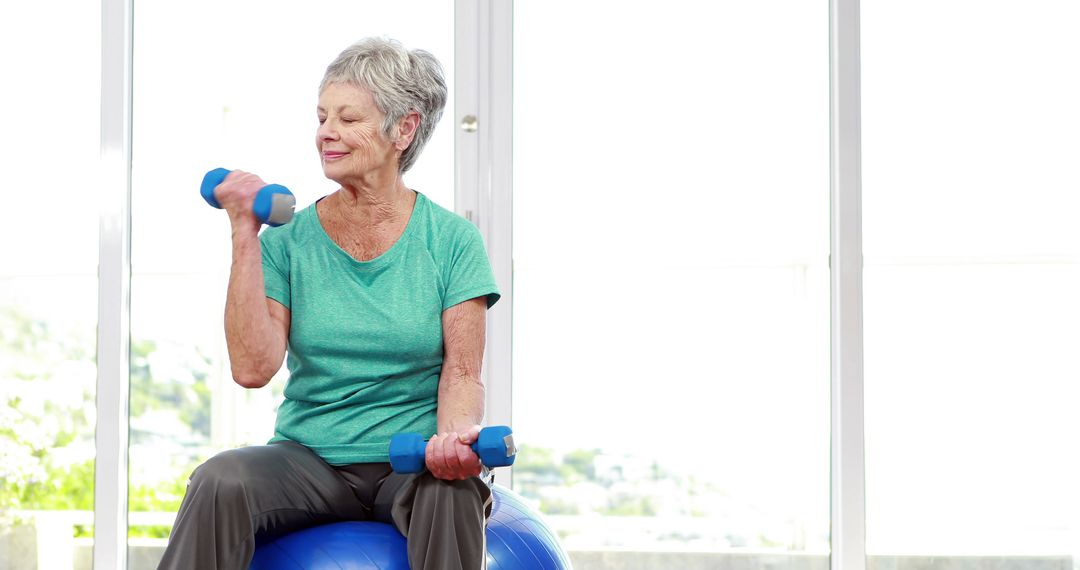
281	208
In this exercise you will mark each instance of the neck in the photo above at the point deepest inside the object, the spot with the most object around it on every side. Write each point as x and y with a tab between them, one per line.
372	201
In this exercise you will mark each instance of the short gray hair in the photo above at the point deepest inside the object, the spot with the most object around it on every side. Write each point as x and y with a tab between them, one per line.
400	80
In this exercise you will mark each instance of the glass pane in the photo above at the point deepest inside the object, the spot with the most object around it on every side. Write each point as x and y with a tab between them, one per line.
972	271
49	149
242	96
671	329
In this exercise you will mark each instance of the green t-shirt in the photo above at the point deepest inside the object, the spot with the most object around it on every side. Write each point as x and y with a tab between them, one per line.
366	340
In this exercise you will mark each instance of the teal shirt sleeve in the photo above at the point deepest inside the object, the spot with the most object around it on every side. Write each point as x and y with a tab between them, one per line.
469	274
275	264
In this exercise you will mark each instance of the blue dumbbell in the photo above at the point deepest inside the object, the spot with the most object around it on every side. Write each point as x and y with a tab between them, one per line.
495	446
273	205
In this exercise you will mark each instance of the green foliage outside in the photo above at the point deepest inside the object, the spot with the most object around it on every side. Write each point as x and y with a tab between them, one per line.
46	430
538	470
156	498
188	396
631	505
47	383
542	464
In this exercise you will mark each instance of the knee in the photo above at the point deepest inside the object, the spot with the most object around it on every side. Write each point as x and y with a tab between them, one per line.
224	473
467	495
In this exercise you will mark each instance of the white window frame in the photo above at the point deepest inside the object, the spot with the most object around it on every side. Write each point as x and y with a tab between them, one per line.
484	175
848	465
114	285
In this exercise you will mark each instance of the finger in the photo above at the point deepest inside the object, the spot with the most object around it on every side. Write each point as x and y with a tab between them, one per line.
245	180
437	464
234	176
469	461
453	461
429	455
469	437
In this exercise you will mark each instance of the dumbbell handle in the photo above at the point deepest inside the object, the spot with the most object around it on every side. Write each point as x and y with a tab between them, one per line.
495	447
273	205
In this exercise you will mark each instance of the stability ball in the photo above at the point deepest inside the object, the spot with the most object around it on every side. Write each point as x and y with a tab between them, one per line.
516	540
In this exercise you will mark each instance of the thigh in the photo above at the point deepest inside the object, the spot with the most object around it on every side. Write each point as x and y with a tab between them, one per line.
402	494
443	521
284	485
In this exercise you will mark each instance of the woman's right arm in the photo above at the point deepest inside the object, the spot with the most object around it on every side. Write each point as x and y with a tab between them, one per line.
256	328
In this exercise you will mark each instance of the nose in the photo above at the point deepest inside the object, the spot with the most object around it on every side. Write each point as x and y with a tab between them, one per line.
326	131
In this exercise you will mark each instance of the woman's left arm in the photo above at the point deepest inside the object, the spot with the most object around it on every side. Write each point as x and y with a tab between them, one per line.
461	392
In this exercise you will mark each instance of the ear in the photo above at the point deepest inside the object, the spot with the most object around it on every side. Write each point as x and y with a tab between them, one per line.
407	127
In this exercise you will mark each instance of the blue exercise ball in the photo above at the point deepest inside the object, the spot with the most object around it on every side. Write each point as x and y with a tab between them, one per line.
351	545
516	540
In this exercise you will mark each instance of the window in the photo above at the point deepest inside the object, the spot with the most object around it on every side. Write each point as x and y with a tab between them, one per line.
671	240
972	272
49	148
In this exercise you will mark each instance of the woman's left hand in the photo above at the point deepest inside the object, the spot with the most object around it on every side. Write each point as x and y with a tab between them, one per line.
449	455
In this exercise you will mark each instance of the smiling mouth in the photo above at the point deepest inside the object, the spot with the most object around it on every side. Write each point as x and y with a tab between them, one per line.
332	155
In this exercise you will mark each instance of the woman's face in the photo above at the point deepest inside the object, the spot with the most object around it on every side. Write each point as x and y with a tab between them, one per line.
349	139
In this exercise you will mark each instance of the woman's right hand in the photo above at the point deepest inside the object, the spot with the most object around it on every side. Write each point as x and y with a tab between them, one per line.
236	194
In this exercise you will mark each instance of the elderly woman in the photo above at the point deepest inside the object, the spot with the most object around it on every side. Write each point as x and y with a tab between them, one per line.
379	297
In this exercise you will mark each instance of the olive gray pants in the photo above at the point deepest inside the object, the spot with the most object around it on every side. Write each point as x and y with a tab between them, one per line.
244	497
